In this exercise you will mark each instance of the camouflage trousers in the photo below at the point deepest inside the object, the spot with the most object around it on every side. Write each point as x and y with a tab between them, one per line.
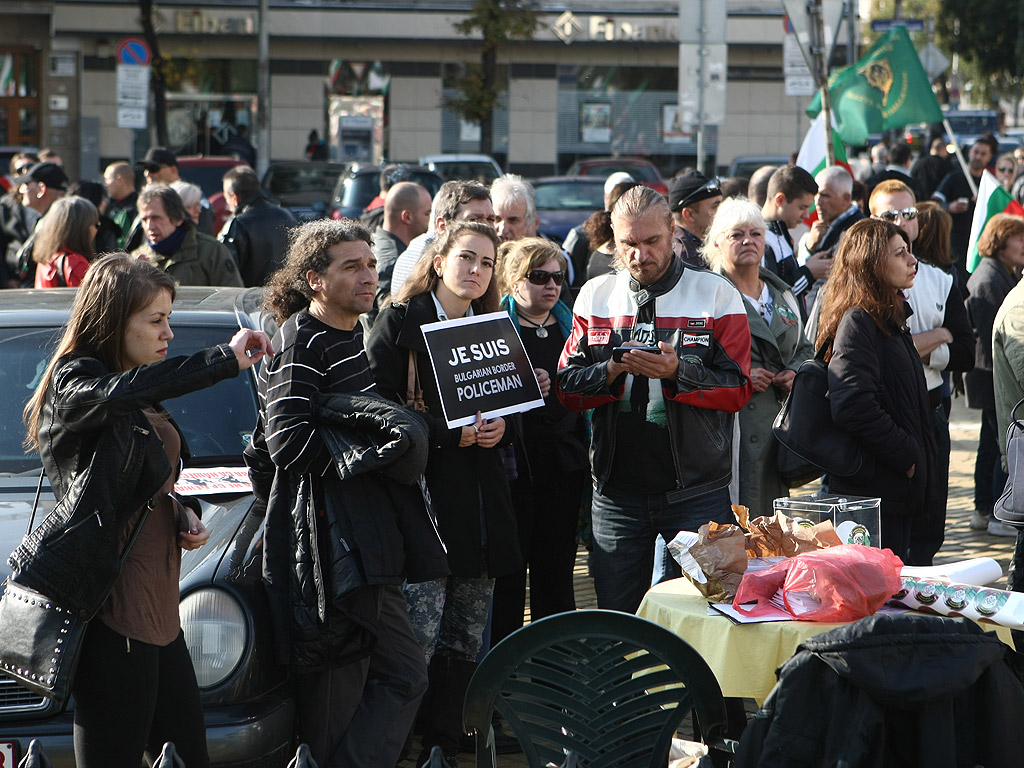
449	615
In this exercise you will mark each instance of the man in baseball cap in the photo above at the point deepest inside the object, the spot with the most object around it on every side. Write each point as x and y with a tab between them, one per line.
693	198
41	185
159	166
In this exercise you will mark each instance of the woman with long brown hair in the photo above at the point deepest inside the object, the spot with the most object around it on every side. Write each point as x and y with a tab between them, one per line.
63	244
99	428
877	389
465	473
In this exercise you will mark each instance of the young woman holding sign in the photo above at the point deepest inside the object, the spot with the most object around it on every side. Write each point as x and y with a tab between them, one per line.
465	473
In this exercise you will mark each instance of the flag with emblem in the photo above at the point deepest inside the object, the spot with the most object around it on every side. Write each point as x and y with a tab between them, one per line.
992	199
887	88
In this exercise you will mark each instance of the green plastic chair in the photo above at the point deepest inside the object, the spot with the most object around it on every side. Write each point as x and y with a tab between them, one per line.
593	688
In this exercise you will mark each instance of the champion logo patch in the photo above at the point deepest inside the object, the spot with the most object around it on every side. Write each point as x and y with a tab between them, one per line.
598	336
693	339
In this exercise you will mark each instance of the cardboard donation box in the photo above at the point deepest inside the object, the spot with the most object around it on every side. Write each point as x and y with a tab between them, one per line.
856	519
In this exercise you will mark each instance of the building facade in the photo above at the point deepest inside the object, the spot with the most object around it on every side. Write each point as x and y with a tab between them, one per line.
597	79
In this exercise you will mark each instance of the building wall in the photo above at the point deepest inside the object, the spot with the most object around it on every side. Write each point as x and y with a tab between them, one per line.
415	117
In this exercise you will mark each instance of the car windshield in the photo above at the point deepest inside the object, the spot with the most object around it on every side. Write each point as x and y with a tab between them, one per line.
639	171
209	178
465	170
570	196
217	422
296	180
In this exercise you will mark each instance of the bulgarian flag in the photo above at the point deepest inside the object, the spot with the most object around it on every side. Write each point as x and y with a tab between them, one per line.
992	199
813	155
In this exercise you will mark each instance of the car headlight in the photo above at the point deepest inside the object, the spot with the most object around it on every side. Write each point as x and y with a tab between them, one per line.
216	634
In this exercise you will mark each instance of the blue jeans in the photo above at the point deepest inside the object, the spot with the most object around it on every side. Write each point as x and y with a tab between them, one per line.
625	527
989	477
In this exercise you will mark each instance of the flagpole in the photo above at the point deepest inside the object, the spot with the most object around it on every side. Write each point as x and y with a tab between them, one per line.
960	156
821	71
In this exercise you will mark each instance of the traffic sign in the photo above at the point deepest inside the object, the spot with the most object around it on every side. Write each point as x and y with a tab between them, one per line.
134	50
132	86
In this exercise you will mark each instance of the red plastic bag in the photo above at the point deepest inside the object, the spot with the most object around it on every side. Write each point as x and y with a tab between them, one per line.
836	584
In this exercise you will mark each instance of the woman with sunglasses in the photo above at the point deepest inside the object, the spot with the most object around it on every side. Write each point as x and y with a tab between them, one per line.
1001	247
735	247
465	472
1006	170
552	476
876	385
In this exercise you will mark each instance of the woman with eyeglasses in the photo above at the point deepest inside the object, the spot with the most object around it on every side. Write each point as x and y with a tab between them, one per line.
552	475
1006	170
1001	247
876	385
465	472
734	246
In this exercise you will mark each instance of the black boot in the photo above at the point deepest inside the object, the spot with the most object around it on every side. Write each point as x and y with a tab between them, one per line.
442	714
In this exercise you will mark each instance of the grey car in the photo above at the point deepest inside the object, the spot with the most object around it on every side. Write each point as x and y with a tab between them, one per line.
247	699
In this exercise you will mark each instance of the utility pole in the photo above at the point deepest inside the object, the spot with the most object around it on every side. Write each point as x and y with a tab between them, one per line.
263	91
819	54
702	80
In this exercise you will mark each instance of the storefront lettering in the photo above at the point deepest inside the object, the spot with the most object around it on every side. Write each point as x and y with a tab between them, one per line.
608	29
197	22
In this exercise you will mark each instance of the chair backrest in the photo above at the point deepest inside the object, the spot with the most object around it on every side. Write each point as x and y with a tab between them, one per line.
607	688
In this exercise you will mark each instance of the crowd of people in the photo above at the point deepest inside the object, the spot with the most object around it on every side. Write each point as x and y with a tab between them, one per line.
665	335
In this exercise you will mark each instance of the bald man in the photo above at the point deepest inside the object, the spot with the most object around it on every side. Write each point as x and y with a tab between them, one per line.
406	215
119	179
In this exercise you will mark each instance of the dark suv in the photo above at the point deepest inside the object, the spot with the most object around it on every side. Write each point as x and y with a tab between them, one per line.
247	699
360	183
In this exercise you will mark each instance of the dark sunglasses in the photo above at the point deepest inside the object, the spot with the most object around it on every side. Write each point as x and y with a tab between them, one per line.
710	189
22	170
540	277
1005	168
907	214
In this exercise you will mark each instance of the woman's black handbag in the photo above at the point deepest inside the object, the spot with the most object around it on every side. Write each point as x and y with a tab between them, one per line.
40	638
810	444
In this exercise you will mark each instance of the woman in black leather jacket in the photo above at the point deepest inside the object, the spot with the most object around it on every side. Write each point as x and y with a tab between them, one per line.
110	448
876	384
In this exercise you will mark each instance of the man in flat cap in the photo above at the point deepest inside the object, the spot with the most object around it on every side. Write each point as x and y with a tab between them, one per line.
159	166
693	198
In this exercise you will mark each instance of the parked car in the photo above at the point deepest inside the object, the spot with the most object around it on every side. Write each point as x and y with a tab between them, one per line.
303	187
247	700
564	202
207	173
743	166
643	171
482	168
360	183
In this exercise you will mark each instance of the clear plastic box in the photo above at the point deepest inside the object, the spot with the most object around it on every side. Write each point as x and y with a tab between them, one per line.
855	518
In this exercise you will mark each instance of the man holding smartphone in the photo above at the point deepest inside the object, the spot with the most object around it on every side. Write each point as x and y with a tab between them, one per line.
661	352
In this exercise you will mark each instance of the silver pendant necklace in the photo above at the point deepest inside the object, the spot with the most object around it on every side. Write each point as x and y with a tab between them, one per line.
540	330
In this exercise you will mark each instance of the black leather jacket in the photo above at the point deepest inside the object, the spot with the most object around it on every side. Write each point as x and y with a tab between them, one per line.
104	462
257	236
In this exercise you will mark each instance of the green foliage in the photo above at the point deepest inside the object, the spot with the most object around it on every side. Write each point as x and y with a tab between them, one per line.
496	21
984	33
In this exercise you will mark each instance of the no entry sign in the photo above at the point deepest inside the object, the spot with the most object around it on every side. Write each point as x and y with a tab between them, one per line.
480	364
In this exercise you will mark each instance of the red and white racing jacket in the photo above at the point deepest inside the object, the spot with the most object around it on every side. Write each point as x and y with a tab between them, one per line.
702	316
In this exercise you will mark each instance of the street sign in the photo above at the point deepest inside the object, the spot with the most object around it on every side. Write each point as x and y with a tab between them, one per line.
131	117
132	86
884	25
134	50
933	61
798	76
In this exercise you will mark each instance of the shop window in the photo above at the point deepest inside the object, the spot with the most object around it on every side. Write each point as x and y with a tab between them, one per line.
19	97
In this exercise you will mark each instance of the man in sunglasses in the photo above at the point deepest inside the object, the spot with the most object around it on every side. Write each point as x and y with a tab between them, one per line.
693	198
661	352
944	340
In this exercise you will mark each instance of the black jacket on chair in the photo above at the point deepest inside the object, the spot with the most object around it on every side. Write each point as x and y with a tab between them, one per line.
890	691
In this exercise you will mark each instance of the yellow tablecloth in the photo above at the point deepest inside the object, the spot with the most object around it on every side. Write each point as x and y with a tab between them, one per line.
744	657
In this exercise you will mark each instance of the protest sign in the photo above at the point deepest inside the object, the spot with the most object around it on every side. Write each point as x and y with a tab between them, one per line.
480	364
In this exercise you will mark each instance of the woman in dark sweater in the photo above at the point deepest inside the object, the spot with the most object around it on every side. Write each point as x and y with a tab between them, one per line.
465	472
876	386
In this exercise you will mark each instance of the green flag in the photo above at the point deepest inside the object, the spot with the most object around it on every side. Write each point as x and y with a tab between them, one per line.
886	89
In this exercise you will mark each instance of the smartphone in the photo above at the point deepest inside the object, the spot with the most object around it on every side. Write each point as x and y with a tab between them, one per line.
618	352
